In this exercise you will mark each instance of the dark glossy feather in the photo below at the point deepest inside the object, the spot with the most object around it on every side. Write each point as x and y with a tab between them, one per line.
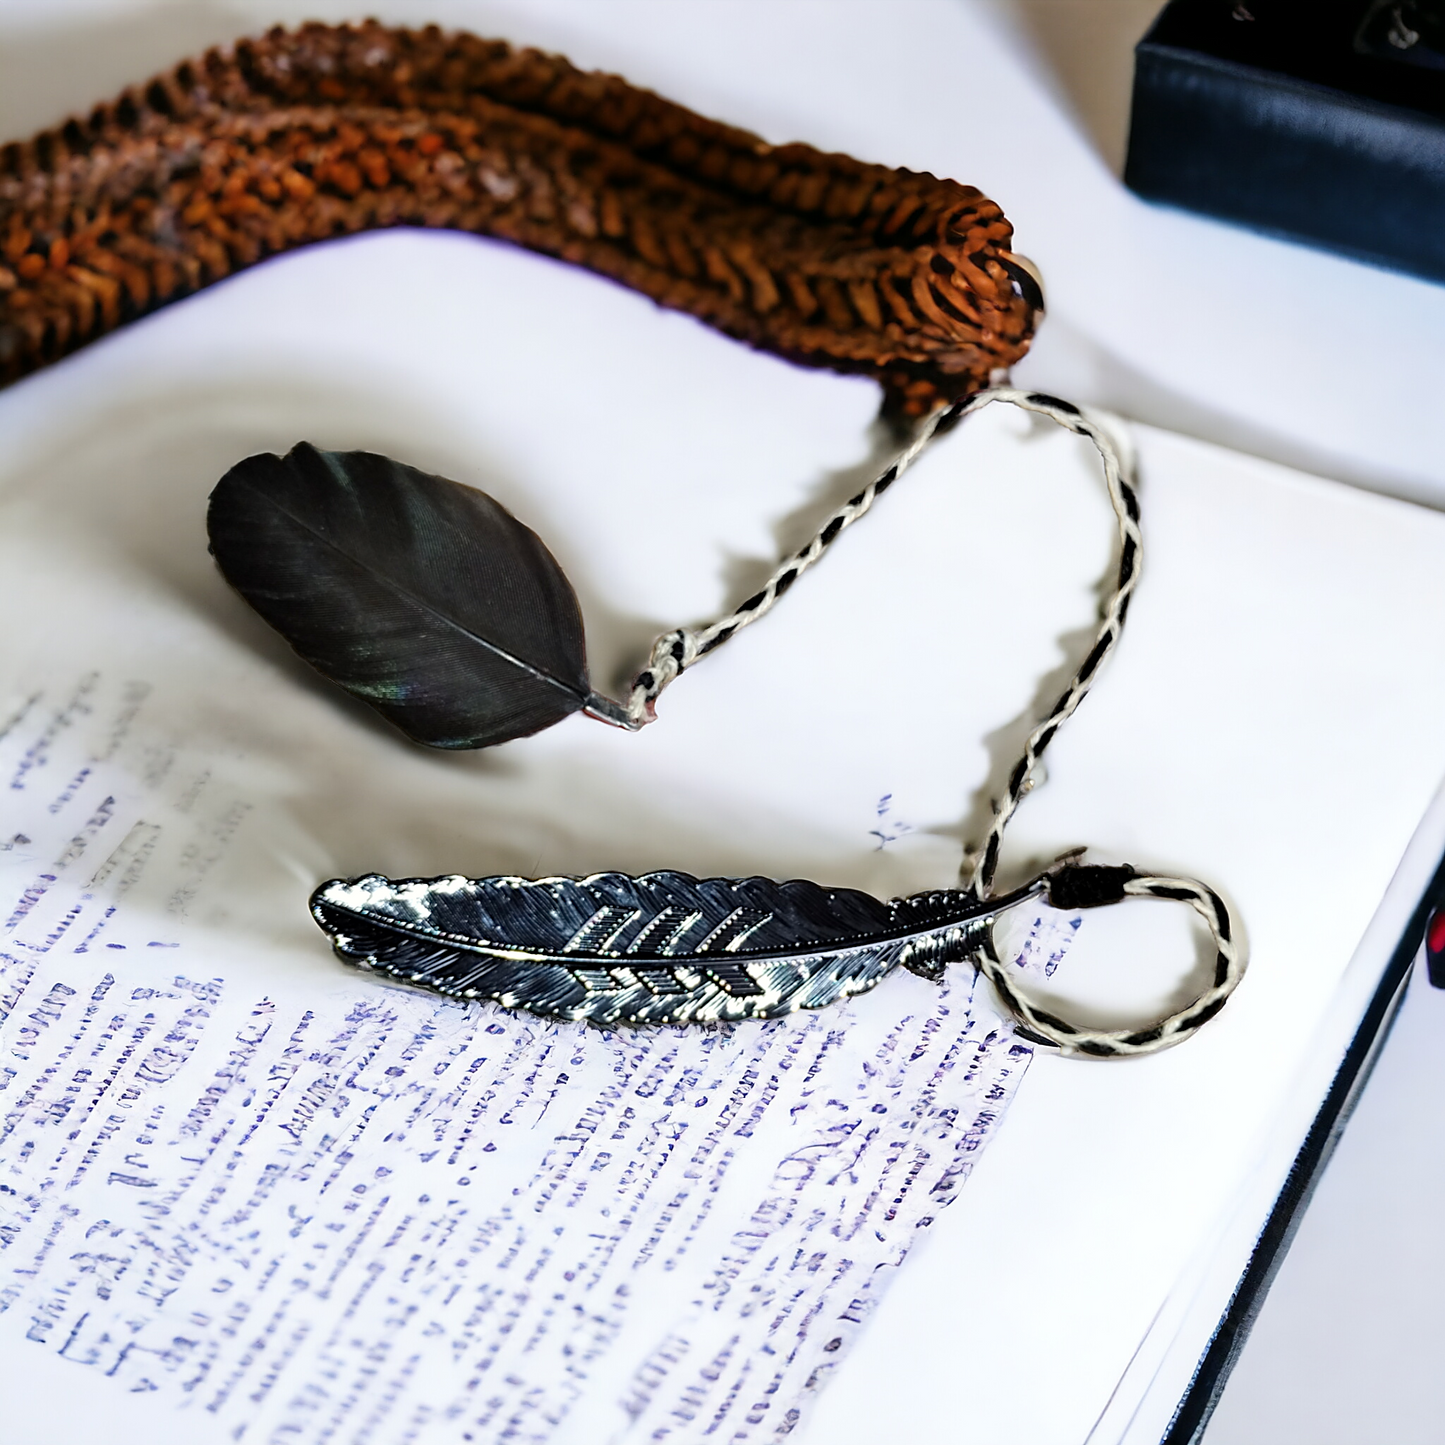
418	595
660	948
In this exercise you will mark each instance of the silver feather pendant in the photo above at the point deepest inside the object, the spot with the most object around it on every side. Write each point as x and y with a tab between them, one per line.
662	948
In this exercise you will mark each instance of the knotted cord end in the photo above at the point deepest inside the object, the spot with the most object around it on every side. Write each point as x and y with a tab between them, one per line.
672	653
1088	885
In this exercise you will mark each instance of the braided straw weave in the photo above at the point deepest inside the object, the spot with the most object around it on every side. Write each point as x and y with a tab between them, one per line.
331	130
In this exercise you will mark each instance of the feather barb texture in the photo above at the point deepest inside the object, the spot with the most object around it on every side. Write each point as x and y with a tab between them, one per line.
660	948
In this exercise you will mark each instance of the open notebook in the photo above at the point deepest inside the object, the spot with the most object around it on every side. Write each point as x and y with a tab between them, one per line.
252	1195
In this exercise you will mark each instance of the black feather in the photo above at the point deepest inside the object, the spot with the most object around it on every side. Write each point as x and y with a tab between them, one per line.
416	594
661	948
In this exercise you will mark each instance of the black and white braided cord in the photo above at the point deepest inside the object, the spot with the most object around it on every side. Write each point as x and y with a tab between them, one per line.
678	650
1174	1028
1125	502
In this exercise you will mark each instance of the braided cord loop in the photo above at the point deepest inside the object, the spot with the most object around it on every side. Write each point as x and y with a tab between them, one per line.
1174	1028
678	650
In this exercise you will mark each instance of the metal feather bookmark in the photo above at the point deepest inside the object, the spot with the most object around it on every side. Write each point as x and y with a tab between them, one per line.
667	948
663	948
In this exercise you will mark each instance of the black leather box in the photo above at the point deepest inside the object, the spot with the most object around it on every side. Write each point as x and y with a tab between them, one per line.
1320	120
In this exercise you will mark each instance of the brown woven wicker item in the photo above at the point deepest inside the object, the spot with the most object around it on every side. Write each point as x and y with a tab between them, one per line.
330	130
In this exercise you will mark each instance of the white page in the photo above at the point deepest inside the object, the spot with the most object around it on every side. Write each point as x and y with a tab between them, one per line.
1268	718
310	1207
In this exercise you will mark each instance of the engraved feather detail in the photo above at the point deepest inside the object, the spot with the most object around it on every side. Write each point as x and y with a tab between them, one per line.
660	948
325	131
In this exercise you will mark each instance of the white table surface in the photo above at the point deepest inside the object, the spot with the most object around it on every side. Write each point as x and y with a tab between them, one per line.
1283	352
1290	354
1346	1349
